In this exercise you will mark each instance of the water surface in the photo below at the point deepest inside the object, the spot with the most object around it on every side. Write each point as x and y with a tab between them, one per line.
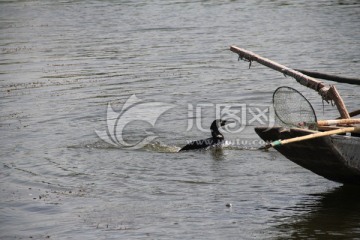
62	62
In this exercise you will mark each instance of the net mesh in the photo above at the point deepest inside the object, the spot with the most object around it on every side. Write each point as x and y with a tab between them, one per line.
292	109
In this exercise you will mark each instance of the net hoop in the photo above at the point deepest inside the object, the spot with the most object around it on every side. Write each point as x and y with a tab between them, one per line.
293	109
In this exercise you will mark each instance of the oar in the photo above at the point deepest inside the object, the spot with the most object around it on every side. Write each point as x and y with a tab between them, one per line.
310	136
334	78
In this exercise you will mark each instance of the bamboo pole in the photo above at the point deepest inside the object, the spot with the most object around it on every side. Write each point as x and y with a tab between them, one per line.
338	121
310	136
327	93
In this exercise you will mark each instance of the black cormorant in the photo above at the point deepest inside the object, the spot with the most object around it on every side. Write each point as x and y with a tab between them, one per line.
216	140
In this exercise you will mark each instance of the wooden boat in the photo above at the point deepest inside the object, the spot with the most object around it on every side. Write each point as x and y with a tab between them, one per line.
335	157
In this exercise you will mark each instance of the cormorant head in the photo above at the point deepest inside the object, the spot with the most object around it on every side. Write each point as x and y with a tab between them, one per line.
223	122
219	123
216	124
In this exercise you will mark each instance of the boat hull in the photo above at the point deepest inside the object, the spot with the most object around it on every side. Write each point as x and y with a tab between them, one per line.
336	157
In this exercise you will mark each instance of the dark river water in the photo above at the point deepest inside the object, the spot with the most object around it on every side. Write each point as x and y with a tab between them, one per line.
97	97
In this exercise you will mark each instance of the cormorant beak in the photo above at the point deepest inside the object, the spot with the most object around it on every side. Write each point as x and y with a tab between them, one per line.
224	122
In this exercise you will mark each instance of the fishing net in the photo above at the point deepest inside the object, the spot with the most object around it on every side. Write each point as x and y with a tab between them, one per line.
292	109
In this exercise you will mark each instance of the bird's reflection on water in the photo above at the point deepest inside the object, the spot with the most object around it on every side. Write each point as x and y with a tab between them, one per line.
217	153
333	214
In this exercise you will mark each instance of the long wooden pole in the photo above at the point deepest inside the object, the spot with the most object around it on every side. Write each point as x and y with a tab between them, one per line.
355	81
327	93
338	121
311	136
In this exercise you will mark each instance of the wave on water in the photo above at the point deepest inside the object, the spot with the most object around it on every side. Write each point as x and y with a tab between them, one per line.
153	147
161	147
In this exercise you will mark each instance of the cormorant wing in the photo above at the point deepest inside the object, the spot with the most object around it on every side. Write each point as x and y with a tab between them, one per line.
199	144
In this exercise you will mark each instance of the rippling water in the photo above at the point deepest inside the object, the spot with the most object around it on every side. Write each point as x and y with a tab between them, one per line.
62	62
